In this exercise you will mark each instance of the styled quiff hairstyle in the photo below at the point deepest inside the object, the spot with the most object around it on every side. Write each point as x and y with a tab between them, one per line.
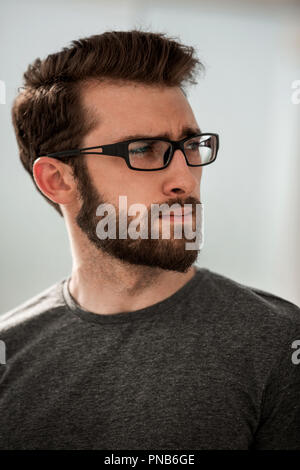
48	114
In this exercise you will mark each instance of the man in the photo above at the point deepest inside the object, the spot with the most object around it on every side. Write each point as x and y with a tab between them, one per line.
138	348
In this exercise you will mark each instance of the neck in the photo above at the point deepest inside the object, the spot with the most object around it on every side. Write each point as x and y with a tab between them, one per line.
104	285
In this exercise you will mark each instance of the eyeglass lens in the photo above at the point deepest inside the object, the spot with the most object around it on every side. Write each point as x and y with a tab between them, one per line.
155	154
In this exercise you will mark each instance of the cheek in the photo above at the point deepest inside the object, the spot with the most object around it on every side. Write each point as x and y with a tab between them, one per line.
137	185
109	173
113	178
197	172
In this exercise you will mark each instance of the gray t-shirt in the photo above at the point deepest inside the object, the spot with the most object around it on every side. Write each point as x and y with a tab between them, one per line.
213	366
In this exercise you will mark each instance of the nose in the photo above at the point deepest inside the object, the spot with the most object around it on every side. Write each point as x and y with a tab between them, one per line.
179	178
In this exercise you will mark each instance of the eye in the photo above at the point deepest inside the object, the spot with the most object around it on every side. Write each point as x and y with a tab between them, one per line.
143	149
194	145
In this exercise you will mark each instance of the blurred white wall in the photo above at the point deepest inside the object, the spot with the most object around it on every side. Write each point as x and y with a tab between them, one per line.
251	194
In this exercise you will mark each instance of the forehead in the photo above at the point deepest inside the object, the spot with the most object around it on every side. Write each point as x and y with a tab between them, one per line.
132	107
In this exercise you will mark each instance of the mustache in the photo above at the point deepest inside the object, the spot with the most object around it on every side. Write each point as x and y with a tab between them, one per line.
156	209
178	205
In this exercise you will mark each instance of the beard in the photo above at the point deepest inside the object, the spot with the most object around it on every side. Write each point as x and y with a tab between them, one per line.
168	254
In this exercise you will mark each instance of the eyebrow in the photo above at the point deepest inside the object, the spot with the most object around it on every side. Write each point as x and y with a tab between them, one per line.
186	131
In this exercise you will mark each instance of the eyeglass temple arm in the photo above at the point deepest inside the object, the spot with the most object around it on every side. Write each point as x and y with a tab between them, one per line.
112	150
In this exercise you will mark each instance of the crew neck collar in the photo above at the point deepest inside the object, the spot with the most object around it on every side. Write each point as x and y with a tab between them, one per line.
141	314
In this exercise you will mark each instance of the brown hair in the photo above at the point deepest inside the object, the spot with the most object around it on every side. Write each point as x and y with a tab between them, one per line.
47	114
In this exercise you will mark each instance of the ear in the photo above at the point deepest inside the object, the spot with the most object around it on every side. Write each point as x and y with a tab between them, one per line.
54	179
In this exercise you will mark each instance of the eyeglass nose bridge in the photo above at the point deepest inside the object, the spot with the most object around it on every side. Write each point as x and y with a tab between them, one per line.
176	145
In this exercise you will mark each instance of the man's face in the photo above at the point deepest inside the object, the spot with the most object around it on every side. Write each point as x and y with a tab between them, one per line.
126	110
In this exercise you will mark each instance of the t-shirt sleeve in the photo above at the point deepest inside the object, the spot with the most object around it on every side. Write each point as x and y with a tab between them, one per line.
279	427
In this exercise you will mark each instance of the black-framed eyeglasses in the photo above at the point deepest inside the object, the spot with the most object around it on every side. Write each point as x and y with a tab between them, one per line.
152	153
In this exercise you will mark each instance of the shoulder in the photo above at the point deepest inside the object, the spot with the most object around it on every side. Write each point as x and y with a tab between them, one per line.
258	327
250	307
230	289
34	310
